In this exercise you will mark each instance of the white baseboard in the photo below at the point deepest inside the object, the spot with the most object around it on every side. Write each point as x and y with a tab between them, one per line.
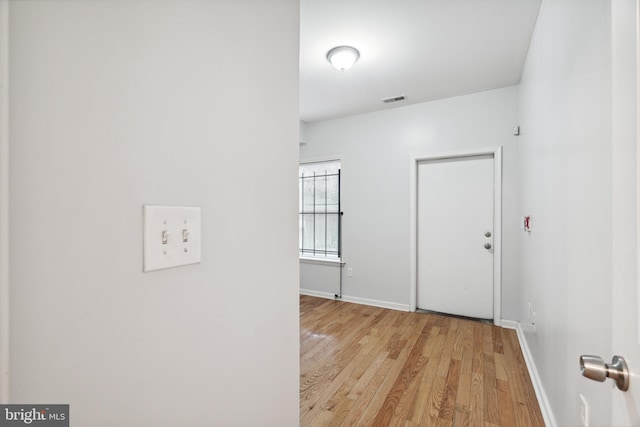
376	303
545	406
509	324
318	294
356	300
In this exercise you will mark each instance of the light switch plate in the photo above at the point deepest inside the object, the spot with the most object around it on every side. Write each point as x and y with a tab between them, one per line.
180	228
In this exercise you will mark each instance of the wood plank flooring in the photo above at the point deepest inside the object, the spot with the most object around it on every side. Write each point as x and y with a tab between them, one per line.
369	366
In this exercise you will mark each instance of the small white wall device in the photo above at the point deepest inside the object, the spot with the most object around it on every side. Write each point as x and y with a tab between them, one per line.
171	236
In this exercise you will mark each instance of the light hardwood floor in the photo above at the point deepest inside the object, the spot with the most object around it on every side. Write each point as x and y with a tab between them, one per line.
369	366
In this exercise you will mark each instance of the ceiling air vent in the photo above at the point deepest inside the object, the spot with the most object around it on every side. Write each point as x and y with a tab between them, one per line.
394	99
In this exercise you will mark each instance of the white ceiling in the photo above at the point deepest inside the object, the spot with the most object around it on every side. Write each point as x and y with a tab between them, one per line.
423	49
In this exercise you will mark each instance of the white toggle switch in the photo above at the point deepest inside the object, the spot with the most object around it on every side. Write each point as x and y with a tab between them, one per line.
169	222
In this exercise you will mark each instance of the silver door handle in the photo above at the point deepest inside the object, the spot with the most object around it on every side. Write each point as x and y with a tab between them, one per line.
594	368
487	245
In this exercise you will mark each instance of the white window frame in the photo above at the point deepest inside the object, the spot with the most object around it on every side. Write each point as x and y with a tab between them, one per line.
322	258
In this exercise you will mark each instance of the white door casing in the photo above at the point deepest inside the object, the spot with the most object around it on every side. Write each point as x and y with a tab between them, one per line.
4	201
455	236
496	153
625	322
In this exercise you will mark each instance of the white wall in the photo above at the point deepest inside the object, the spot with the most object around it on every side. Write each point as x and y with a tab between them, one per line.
320	278
565	163
118	104
375	149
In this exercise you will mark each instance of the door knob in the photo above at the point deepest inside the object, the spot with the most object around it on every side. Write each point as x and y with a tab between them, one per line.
594	368
487	245
487	234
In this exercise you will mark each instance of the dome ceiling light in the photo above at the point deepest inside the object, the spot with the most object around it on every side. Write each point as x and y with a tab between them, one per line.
343	57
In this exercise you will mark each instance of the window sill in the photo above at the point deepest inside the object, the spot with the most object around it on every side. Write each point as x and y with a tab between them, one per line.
317	260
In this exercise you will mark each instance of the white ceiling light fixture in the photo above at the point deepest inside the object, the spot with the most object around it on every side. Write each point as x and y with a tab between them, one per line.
343	57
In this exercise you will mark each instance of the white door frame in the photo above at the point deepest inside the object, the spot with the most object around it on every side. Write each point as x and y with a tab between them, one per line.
496	152
4	201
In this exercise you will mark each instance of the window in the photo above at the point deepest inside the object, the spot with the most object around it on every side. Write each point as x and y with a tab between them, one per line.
320	222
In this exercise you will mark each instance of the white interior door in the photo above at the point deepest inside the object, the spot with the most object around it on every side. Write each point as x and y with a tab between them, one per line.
455	234
626	208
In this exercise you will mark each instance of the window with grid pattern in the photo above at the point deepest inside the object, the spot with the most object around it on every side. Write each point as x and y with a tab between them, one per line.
320	224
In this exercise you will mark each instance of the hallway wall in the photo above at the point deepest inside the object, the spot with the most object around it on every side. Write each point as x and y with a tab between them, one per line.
116	104
375	149
566	178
